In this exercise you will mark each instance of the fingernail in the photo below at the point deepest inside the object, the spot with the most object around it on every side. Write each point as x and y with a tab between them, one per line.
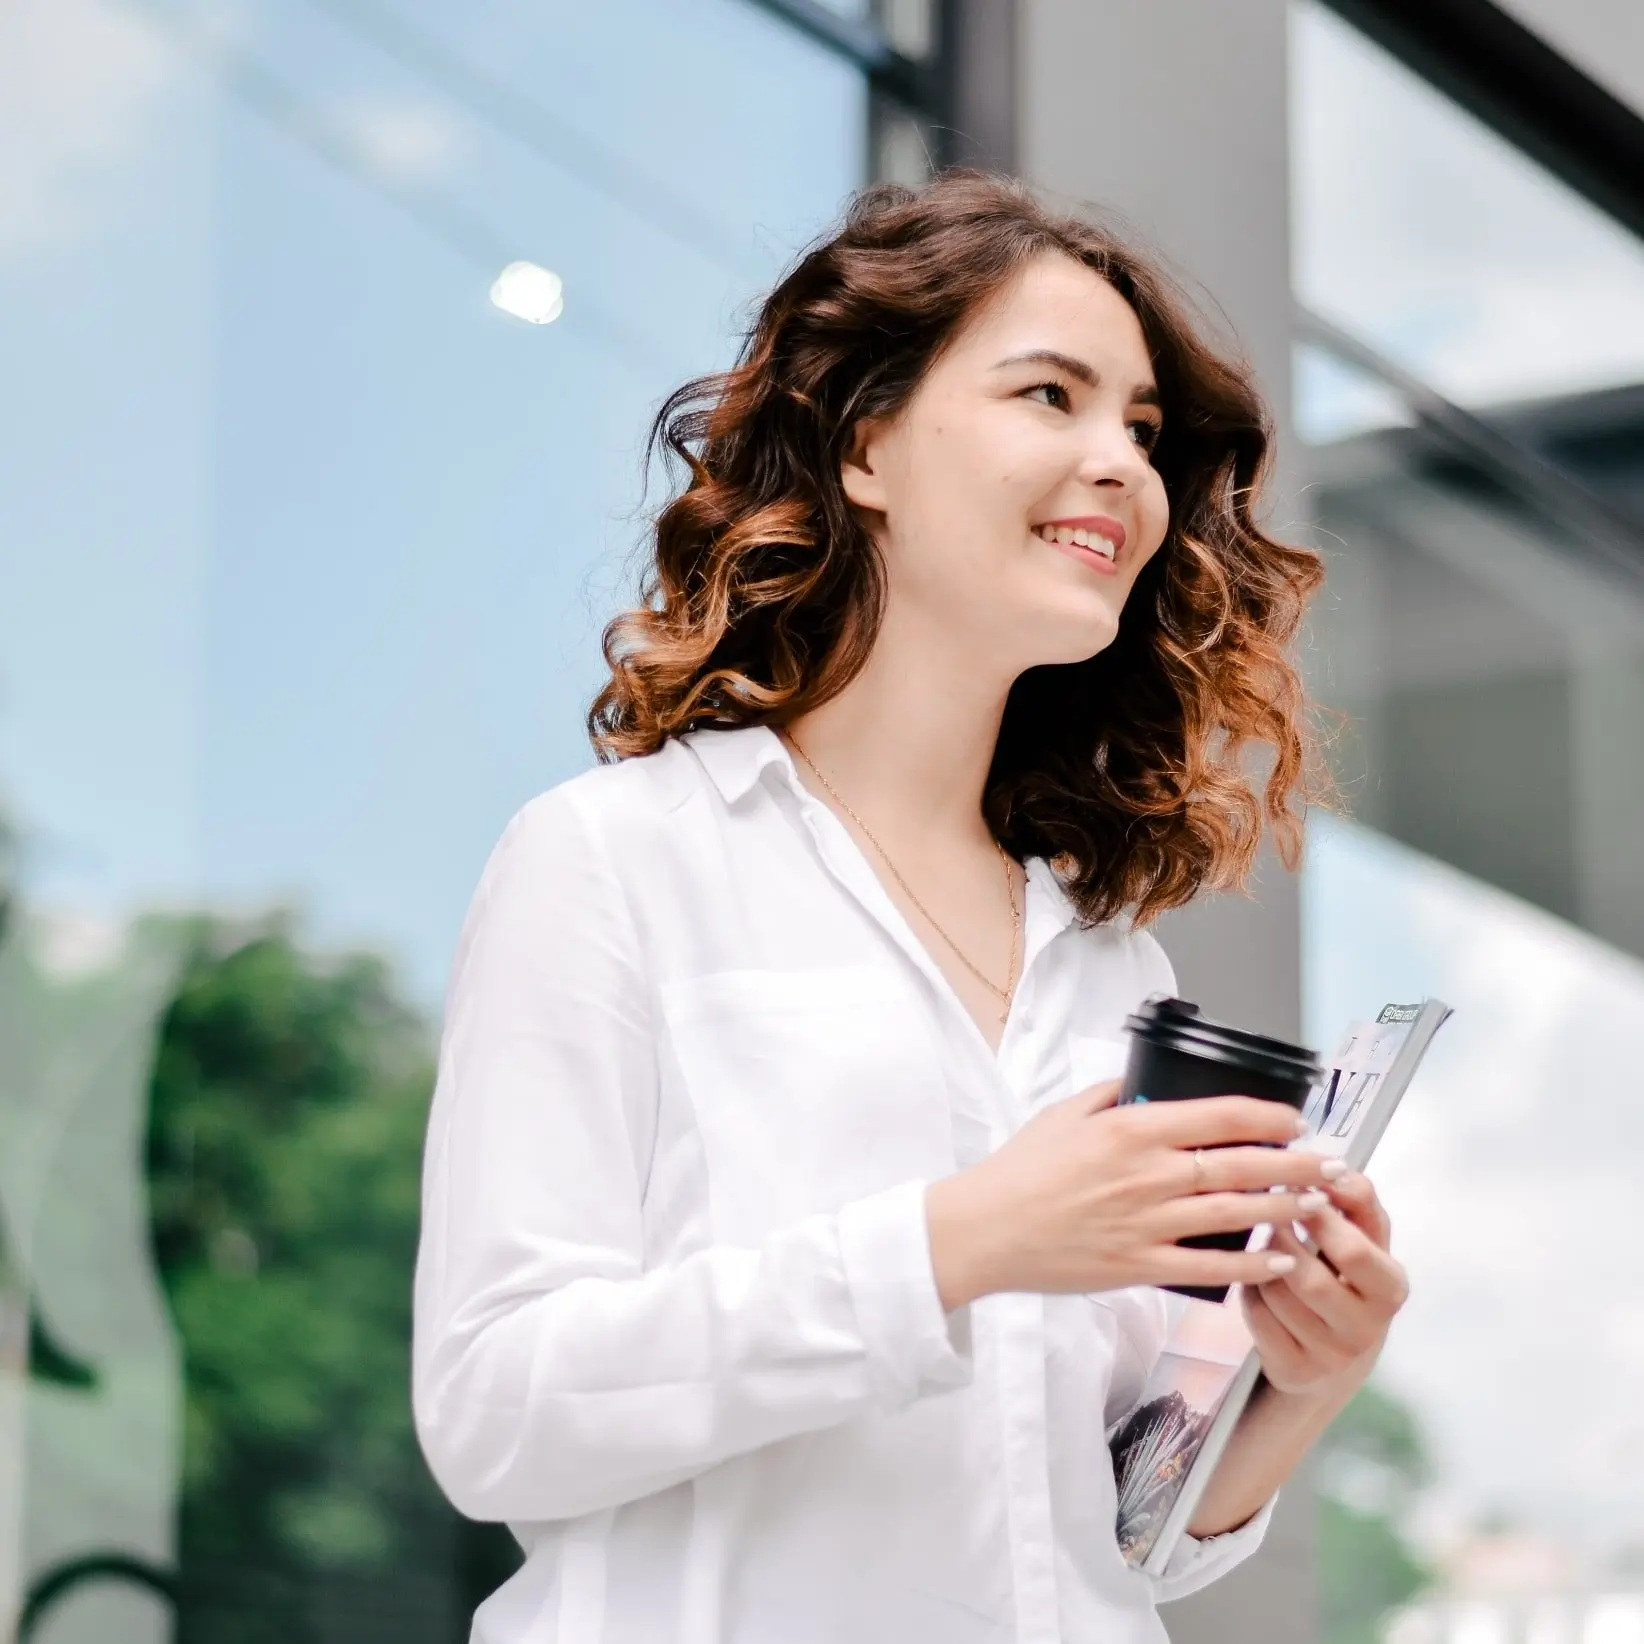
1302	1126
1313	1199
1333	1169
1281	1264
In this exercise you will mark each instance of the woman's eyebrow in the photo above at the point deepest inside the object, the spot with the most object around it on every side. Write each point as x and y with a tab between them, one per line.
1142	394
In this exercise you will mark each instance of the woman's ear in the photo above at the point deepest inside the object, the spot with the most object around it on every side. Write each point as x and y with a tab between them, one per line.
861	468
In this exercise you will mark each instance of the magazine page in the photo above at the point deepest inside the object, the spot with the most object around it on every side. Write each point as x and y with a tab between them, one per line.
1153	1447
1208	1366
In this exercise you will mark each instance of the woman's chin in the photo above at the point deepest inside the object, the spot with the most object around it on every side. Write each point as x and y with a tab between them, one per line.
1066	635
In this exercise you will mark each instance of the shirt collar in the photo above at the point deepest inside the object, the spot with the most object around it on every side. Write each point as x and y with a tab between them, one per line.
1041	875
735	759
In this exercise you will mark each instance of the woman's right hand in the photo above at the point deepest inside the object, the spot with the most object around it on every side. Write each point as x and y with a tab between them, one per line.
1090	1196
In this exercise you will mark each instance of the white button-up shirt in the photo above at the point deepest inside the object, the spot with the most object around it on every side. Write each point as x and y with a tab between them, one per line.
676	1322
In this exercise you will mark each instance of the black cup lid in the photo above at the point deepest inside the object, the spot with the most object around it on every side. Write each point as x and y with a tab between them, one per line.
1180	1025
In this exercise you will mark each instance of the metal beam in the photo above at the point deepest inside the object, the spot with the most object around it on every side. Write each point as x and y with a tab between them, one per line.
861	42
1517	84
1606	536
976	61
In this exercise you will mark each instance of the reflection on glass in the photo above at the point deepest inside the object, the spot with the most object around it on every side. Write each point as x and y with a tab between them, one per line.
1426	234
1511	1177
309	549
93	1412
1333	401
1489	659
1482	631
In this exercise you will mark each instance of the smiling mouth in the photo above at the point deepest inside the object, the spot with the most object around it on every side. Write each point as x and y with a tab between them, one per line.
1068	536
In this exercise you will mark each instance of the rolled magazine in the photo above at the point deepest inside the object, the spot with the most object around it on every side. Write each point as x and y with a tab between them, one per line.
1165	1450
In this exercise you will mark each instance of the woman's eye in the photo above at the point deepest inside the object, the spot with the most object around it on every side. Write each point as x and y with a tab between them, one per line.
1057	394
1144	432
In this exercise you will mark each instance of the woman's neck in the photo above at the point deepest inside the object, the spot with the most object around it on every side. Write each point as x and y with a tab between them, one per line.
909	742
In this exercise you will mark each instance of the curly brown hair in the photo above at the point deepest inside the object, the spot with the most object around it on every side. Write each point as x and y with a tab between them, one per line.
1131	771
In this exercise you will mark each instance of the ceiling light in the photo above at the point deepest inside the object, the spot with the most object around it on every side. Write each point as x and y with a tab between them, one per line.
529	292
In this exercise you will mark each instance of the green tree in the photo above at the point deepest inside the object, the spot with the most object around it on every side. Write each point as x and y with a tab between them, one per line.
283	1155
1372	1464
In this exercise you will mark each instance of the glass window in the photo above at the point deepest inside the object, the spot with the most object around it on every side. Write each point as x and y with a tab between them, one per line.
308	548
1470	398
1433	238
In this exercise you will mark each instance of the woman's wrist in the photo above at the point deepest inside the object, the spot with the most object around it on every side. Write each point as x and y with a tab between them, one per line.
1324	1399
963	1254
1275	1431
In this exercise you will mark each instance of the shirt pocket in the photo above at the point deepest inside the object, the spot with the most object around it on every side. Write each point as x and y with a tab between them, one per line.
810	1088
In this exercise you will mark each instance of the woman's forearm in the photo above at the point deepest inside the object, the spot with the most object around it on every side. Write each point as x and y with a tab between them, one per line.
1274	1433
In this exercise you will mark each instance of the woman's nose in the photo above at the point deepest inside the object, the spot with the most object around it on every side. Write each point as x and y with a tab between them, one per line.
1114	460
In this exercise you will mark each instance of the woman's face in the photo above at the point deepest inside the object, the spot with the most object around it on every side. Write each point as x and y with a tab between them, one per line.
1013	497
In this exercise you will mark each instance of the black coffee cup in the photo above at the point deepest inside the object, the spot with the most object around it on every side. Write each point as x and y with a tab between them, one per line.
1177	1054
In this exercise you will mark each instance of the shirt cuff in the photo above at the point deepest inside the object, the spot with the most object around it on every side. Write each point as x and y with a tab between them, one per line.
913	1347
1197	1561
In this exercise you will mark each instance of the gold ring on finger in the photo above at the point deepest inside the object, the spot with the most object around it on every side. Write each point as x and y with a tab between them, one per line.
1198	1170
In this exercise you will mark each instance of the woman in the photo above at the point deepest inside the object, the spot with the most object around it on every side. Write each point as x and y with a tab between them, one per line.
783	1249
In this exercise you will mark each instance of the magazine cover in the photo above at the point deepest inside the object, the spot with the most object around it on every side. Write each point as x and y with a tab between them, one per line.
1165	1450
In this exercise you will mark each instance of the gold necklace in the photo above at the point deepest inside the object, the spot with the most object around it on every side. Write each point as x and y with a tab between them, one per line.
1003	993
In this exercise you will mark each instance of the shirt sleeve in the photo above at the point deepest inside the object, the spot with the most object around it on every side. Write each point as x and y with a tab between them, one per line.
553	1373
1197	1561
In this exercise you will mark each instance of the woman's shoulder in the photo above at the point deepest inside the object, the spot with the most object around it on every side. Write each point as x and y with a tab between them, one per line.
607	798
593	821
1149	958
1120	948
1121	964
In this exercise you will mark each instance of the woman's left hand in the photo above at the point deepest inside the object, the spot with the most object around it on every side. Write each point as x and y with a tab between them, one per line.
1319	1331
